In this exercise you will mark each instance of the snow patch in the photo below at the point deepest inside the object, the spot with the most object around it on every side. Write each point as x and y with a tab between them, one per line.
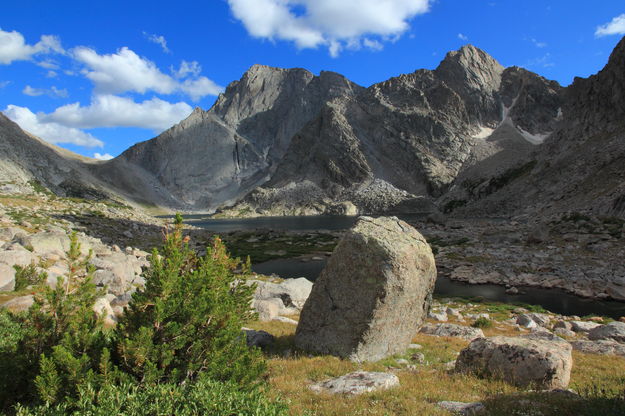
484	133
535	139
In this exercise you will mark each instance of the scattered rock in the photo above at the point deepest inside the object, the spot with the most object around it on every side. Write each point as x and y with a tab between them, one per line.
583	326
605	347
452	330
373	294
19	304
461	408
512	291
260	339
357	383
614	331
526	321
285	320
520	361
268	309
292	292
103	308
563	332
439	316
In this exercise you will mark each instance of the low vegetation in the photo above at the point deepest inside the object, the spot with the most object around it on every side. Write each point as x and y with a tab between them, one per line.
180	339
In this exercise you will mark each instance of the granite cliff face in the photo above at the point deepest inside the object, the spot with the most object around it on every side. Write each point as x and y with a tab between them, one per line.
470	136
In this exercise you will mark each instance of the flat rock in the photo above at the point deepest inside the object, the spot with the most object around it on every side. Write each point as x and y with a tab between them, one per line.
452	330
357	383
292	292
461	408
19	304
520	361
583	326
373	294
604	347
613	331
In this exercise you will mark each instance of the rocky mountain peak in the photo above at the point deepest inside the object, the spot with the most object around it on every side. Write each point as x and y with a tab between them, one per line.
472	66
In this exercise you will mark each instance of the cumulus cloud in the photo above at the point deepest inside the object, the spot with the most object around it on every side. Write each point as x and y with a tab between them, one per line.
159	40
337	25
105	156
123	71
49	131
114	111
463	37
126	71
13	47
615	27
53	92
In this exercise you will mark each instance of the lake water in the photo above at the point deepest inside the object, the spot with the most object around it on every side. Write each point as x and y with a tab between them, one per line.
554	300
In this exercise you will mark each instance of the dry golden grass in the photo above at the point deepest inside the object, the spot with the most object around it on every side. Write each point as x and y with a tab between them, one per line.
422	386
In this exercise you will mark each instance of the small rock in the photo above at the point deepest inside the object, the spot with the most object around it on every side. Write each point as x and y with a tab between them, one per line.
418	357
285	320
461	408
583	326
439	316
452	330
604	347
415	346
103	308
260	339
512	291
268	309
357	383
563	332
526	321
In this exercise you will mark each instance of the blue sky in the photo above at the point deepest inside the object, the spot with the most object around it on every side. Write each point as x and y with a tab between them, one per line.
96	77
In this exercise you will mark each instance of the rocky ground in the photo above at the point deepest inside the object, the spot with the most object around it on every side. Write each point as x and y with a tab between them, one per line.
578	253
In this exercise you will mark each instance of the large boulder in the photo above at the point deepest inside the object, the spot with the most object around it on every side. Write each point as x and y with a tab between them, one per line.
524	362
613	331
373	294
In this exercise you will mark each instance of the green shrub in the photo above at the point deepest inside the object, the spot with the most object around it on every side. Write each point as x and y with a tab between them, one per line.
482	322
28	276
188	318
58	341
205	397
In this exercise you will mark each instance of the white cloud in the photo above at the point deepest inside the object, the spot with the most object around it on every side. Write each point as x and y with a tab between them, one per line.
187	68
4	84
52	92
159	40
123	71
538	43
615	27
114	111
52	74
335	24
126	71
13	47
48	64
49	131
200	87
105	156
463	37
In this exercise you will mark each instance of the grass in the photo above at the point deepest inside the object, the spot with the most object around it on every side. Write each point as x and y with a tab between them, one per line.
600	380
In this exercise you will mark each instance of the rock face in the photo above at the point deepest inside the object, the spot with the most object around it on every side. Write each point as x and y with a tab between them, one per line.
373	294
357	383
521	361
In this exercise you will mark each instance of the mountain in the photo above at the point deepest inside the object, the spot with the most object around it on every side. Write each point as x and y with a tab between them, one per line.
580	167
470	137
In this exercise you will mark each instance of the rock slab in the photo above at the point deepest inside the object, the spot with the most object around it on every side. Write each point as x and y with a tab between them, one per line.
357	383
373	294
523	362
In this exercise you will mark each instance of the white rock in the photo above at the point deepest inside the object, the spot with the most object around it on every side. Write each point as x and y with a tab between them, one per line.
357	383
7	278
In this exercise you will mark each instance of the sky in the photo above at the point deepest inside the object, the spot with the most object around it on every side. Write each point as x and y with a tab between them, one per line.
97	77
